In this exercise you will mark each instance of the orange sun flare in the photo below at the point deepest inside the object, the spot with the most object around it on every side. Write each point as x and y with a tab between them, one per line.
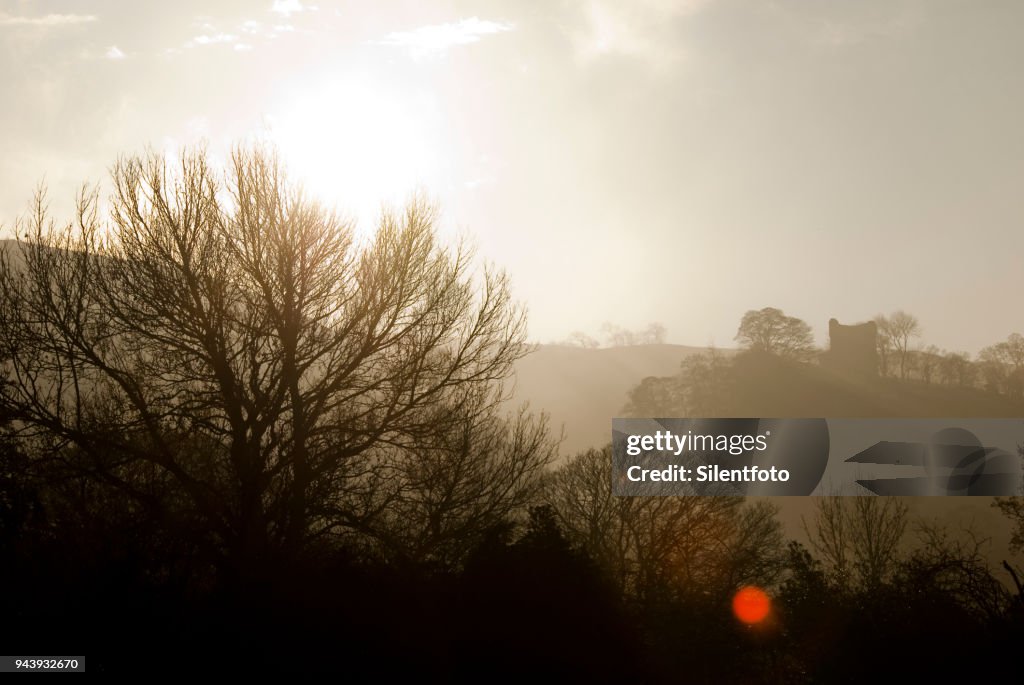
751	605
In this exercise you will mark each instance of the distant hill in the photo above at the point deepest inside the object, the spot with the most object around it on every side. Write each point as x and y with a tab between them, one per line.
766	385
583	389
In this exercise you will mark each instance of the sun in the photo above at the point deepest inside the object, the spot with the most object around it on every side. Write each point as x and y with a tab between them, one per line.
751	605
357	144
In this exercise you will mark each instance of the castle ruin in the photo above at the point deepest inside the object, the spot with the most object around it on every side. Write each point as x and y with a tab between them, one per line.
852	349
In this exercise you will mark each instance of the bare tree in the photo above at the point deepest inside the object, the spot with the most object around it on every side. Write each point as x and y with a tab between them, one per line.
896	331
858	538
928	362
830	538
878	526
992	364
1002	365
1013	509
617	336
657	545
770	330
443	497
956	369
883	346
654	334
223	347
581	339
955	565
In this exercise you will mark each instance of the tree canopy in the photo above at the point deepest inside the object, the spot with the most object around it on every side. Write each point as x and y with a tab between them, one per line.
224	353
770	330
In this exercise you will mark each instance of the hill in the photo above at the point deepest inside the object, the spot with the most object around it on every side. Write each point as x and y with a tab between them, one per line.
583	389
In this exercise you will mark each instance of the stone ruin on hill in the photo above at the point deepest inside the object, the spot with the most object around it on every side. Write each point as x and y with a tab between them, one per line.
852	349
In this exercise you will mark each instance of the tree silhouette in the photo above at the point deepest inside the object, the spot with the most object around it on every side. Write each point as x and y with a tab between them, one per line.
895	332
617	336
770	330
858	539
656	396
663	548
1002	365
226	353
441	498
956	369
928	362
953	566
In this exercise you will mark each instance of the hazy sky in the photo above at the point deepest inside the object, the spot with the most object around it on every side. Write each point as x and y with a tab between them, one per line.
630	162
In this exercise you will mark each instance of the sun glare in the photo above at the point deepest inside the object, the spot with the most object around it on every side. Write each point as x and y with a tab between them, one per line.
357	145
751	605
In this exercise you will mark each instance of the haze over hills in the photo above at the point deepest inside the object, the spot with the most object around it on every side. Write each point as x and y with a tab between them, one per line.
583	389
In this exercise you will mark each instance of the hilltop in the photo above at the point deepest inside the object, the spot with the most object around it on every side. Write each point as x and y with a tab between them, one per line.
583	389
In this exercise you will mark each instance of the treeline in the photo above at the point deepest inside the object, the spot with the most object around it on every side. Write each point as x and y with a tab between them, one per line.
997	368
617	336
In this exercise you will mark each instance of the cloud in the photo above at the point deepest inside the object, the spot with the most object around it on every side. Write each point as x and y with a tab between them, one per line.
286	8
46	20
114	52
641	29
439	37
245	36
212	39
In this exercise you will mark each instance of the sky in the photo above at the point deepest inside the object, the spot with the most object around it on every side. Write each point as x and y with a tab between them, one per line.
680	162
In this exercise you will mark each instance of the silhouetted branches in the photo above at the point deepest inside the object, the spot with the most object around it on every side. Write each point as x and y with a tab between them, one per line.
223	347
